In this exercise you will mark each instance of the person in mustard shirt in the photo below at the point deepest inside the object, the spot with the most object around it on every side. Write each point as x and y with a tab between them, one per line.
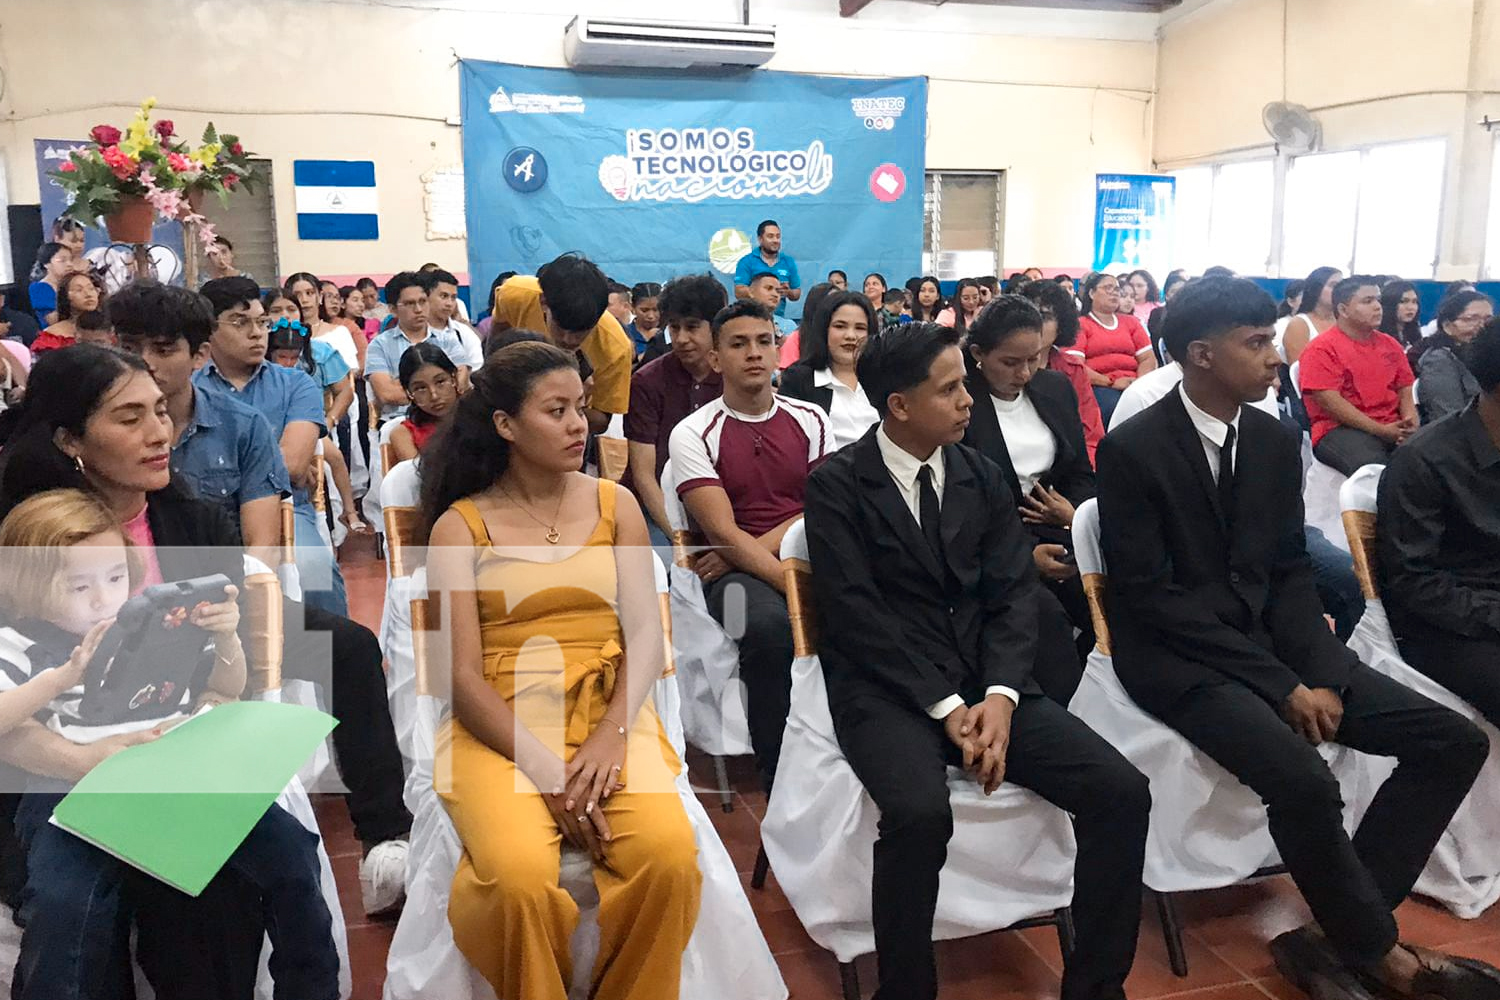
567	301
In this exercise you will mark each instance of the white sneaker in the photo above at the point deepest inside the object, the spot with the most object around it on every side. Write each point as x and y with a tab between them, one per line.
382	877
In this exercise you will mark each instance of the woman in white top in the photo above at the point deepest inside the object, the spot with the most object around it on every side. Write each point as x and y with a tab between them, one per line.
307	291
1025	420
1314	312
824	374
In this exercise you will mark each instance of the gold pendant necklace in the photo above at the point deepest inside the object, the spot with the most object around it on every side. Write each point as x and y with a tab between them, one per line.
552	536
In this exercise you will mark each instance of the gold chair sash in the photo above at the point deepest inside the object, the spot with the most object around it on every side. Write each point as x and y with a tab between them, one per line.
264	632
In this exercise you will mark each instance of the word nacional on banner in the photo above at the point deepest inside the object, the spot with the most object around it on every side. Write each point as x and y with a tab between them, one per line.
657	173
694	164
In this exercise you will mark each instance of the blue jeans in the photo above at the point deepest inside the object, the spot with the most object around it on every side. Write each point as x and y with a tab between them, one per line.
1108	399
1338	587
78	902
318	566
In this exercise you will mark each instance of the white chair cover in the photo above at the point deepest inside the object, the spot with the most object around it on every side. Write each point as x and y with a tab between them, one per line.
1320	489
708	661
726	958
399	489
1463	872
1207	829
371	506
820	831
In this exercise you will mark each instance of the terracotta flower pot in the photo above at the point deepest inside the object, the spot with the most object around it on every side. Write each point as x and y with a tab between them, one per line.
131	221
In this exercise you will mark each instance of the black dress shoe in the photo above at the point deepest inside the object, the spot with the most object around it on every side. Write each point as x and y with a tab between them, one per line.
1306	961
1444	977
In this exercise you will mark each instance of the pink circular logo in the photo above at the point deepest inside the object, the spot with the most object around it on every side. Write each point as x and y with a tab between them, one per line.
887	183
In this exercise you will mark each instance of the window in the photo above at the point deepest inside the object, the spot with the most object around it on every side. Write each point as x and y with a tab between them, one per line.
1374	211
1223	217
961	224
249	222
5	269
1492	240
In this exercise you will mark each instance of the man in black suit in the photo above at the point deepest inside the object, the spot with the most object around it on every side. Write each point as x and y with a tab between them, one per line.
1218	632
926	610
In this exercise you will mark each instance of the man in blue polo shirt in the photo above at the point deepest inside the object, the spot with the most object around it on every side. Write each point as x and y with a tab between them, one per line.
407	295
291	403
768	257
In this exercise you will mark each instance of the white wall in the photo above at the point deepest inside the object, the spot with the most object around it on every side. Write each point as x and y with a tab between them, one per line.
1372	71
339	80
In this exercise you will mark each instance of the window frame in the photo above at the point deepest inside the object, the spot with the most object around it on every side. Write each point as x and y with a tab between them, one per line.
932	215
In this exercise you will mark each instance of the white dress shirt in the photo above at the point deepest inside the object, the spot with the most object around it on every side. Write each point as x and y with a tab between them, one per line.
904	467
1211	433
850	413
1157	383
1028	439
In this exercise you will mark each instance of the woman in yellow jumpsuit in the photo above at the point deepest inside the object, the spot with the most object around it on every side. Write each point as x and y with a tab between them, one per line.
548	594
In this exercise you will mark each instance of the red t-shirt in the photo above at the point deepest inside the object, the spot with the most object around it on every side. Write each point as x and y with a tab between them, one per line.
1370	374
1112	353
49	341
1088	403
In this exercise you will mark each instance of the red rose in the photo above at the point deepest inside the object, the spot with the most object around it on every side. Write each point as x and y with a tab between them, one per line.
68	167
230	180
237	149
165	128
105	135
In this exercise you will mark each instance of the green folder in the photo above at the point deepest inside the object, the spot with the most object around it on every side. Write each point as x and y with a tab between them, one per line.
178	807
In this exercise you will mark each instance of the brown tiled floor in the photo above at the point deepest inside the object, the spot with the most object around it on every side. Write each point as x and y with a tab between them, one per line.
1226	930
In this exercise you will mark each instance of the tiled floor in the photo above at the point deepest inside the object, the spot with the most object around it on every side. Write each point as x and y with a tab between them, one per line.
1226	930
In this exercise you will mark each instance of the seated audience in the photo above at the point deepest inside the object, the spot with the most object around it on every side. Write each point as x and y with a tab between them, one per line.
219	262
926	639
1218	633
1452	289
70	570
1356	383
893	308
1147	297
78	292
830	341
927	299
645	321
225	452
1400	310
445	310
1439	541
989	288
291	404
406	294
968	299
1113	346
664	391
1333	570
619	302
376	310
839	280
501	481
741	463
566	301
289	345
1025	420
765	288
93	327
16	325
1448	385
1059	334
54	262
313	301
791	345
1315	313
874	287
430	379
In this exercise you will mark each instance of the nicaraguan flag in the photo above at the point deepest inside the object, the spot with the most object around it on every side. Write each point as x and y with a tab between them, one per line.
336	199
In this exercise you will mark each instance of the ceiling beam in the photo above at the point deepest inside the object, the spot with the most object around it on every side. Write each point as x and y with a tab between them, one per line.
848	8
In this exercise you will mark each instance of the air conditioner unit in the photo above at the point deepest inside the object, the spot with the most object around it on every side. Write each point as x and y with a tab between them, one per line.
600	41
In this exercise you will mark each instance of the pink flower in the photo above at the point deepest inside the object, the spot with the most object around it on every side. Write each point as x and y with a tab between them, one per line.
230	180
180	163
69	167
237	149
105	135
121	165
165	128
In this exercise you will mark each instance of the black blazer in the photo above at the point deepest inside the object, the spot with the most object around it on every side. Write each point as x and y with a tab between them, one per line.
1057	404
889	626
797	382
1192	600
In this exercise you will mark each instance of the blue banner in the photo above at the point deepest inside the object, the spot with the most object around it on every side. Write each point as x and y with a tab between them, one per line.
1133	218
114	262
657	174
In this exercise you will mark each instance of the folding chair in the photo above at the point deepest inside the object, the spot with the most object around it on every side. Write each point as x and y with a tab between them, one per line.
820	826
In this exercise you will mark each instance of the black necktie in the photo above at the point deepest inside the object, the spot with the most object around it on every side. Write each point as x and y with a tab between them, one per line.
932	517
1226	474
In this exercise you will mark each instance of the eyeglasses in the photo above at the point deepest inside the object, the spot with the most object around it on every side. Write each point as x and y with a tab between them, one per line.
442	383
239	323
1470	320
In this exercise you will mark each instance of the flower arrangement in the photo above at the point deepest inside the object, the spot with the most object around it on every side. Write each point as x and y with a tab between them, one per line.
150	163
